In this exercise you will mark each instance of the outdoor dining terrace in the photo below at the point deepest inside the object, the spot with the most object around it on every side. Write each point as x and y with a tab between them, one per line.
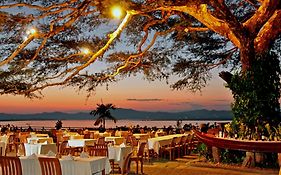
88	152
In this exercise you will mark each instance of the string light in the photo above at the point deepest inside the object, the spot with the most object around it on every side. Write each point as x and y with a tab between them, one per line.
116	12
31	31
85	51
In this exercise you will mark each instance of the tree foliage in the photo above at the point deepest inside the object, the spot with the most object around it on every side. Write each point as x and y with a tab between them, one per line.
186	38
256	96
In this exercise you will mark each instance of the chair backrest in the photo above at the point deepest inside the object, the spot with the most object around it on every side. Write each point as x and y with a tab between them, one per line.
131	140
59	137
11	138
98	150
126	165
101	140
10	165
23	151
141	149
50	166
62	148
87	136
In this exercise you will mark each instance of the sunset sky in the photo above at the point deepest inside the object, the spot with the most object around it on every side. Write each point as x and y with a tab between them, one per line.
133	93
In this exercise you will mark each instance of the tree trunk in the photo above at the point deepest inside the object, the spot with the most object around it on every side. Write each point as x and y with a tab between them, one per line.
103	123
247	54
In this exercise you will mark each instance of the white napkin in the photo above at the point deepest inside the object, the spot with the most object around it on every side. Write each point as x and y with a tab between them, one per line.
84	155
51	153
32	156
46	142
122	145
68	157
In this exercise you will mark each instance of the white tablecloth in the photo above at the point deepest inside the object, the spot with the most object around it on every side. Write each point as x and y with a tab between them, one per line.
119	154
78	166
3	147
73	137
39	148
4	138
138	136
39	135
157	142
81	142
116	140
40	140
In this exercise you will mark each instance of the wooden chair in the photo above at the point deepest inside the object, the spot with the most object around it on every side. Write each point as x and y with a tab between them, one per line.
101	140
64	149
50	166
126	165
87	136
13	141
59	140
179	146
139	157
98	150
170	149
22	149
10	165
192	143
131	140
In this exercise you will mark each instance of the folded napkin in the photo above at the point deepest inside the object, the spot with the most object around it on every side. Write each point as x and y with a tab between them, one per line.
51	153
68	157
122	145
32	156
46	142
84	155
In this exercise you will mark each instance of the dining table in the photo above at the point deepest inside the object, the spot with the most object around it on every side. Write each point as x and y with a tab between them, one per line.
2	148
118	154
157	142
39	135
139	136
115	140
81	142
40	140
3	144
75	166
39	148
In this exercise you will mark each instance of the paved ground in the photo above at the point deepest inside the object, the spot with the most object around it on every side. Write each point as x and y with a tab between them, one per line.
191	165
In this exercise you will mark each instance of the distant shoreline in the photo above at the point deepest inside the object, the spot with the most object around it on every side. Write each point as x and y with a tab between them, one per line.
109	124
205	119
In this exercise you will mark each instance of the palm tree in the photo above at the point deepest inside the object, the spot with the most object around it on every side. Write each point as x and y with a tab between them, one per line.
103	112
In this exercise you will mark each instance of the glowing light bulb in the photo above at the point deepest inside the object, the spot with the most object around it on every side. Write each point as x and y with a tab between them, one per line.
85	51
116	12
31	31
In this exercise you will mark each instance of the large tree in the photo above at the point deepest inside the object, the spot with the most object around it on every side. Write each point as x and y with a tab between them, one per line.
187	38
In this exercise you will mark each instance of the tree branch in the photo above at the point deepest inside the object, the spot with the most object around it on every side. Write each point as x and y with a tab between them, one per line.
202	14
261	16
268	33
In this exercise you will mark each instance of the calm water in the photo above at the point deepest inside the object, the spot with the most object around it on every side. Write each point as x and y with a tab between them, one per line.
90	123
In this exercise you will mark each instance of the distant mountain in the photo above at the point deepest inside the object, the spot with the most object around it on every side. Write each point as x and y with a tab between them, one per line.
125	114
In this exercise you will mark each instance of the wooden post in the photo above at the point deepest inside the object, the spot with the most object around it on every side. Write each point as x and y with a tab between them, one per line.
216	152
259	158
249	160
279	161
